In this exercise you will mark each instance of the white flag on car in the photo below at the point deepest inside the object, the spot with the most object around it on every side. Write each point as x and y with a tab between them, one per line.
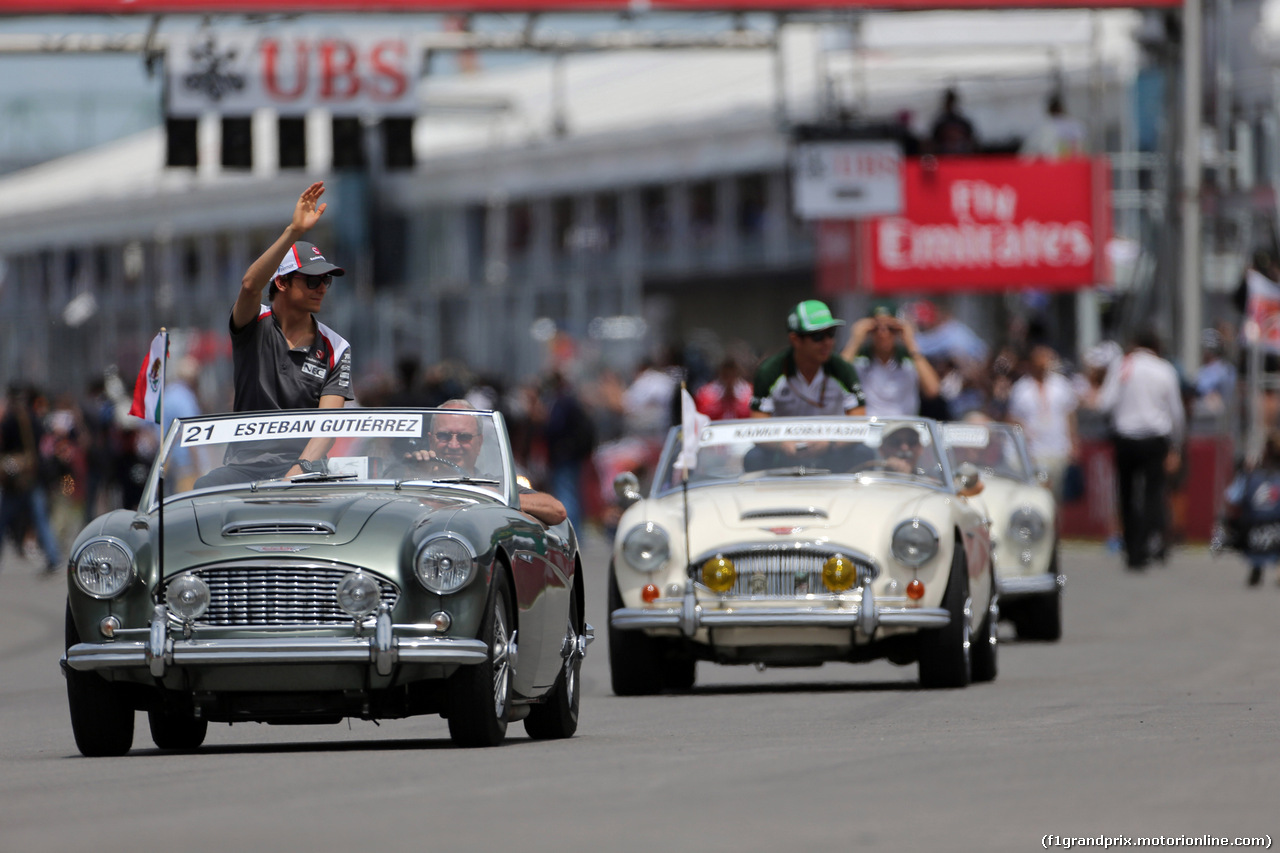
691	423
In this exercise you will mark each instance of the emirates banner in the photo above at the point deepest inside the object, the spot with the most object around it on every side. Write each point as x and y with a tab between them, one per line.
237	71
978	224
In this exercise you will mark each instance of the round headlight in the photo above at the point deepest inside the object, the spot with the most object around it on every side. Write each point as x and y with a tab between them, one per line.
646	547
1026	525
188	597
445	564
914	543
358	594
839	573
103	568
718	574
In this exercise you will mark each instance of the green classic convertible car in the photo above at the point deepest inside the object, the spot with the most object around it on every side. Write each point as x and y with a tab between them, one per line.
310	566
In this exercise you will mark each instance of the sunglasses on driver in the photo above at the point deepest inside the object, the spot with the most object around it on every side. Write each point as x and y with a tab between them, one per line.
443	437
314	281
824	335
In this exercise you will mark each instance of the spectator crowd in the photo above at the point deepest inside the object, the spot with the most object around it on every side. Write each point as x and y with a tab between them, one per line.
577	424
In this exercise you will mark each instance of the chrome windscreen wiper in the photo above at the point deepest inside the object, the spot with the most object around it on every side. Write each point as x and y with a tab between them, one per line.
322	477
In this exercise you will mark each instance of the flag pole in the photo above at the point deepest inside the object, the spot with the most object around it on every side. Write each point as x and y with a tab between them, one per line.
684	482
164	366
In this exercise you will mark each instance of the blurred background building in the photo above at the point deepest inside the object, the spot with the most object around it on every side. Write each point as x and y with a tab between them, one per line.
620	200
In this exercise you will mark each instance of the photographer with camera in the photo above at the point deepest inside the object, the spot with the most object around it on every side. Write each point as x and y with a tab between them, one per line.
895	376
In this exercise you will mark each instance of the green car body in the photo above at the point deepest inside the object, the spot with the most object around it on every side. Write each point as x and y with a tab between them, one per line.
275	643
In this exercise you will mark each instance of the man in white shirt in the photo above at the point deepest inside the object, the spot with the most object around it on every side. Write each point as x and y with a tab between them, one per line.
1144	397
1043	403
894	375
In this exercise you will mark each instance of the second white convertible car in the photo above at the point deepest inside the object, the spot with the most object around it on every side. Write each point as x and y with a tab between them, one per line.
797	541
1024	525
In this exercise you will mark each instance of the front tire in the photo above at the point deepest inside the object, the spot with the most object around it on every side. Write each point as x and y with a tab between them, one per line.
1041	617
176	731
558	717
945	652
635	664
983	654
480	696
101	720
679	672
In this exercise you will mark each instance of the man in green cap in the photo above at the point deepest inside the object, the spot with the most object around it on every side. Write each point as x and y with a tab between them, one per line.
808	378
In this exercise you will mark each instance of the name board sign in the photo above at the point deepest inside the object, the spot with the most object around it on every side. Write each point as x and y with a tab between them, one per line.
340	424
973	436
766	431
847	180
236	72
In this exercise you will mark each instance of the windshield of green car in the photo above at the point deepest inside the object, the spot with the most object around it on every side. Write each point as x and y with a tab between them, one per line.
734	451
449	446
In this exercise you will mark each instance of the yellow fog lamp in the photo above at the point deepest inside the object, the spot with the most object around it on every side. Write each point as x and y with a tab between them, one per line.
718	574
839	573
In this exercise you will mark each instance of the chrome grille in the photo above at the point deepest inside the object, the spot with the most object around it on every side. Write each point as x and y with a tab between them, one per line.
272	595
783	573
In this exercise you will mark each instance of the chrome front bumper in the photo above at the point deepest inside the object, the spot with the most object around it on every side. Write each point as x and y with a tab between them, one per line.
1019	587
383	650
691	615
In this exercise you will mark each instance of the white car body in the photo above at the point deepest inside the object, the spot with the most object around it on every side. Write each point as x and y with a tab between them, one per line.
779	526
1024	524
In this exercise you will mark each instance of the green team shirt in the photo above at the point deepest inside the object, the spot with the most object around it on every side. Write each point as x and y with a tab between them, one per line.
780	391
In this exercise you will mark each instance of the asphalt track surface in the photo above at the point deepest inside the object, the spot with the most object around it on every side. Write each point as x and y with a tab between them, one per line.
1156	715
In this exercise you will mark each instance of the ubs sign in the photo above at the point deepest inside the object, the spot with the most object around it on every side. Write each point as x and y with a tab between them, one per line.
237	72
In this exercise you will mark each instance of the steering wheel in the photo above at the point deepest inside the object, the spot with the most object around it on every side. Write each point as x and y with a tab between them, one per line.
438	464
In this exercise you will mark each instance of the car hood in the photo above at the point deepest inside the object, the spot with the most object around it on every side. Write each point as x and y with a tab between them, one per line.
337	517
811	505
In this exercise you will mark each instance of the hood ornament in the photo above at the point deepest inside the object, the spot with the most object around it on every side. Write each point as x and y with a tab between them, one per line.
277	549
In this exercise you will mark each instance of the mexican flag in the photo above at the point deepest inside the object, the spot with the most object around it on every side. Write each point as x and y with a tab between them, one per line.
148	390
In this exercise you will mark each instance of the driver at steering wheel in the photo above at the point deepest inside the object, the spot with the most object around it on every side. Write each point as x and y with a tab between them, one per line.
900	450
454	443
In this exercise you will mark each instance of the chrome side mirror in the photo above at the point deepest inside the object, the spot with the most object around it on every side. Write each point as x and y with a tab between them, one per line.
627	487
969	480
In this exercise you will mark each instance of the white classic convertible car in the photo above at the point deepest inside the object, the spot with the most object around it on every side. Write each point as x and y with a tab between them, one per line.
1024	524
796	541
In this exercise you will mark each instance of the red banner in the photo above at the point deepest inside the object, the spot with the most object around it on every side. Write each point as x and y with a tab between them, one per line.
124	7
978	224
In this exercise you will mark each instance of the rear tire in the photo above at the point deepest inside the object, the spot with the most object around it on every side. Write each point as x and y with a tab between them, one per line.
558	717
945	652
101	720
176	731
480	694
635	662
